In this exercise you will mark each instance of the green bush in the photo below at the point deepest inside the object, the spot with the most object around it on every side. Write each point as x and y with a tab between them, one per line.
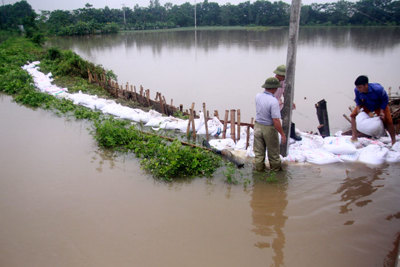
165	160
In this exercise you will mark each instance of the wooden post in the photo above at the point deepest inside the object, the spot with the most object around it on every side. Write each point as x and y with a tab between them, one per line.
189	120
225	124
135	94
233	126
192	111
216	114
205	120
148	97
116	89
248	133
290	72
238	123
141	95
165	106
161	103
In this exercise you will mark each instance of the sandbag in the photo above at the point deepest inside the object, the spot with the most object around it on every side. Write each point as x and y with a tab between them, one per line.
370	126
393	157
373	154
321	157
339	145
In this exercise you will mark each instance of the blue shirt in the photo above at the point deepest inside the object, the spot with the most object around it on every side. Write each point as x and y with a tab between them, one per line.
267	108
375	98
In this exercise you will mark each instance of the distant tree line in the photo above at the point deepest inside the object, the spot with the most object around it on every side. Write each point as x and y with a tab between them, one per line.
89	20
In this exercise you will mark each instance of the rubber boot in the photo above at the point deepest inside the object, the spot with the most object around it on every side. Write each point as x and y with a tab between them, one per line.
293	133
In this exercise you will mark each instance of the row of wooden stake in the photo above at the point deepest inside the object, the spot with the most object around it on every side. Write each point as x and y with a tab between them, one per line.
159	104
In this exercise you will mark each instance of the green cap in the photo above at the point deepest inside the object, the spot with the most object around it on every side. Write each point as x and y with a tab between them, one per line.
271	83
280	70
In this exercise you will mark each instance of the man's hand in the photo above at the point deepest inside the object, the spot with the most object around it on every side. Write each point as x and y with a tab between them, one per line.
283	139
382	115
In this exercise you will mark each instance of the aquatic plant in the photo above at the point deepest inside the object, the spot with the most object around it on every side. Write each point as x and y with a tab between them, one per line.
165	160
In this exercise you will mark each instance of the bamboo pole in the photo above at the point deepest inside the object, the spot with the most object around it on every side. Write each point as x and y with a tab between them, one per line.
225	124
248	134
347	118
189	120
148	97
216	114
141	95
205	120
290	72
161	103
192	111
135	94
238	123
165	106
233	126
116	89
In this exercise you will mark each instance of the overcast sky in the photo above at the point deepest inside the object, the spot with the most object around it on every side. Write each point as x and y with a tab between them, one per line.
75	4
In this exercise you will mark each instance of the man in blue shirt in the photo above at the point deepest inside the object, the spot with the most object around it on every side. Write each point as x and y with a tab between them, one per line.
267	126
371	97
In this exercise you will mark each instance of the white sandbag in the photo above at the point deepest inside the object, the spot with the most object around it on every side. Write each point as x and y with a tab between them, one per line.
369	126
221	144
350	157
155	122
240	144
373	154
396	147
295	155
339	145
393	157
214	127
321	157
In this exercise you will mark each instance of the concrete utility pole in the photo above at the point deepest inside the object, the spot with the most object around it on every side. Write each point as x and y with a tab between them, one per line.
290	72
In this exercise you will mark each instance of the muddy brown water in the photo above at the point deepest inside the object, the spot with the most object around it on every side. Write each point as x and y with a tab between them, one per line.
226	68
64	202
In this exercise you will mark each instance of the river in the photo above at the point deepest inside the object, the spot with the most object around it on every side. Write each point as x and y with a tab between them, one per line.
225	68
65	202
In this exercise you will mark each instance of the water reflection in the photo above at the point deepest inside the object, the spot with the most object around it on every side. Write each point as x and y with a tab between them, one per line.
369	39
363	38
268	203
358	186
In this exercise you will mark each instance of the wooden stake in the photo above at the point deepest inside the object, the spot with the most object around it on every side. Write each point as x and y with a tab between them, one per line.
193	125
205	120
225	124
248	133
347	118
238	123
135	94
148	97
233	126
165	106
216	114
161	103
189	121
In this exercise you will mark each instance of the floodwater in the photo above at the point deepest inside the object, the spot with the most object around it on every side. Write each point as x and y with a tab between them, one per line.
64	202
225	68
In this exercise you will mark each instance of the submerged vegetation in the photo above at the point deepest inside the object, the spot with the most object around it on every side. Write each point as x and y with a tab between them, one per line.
164	159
